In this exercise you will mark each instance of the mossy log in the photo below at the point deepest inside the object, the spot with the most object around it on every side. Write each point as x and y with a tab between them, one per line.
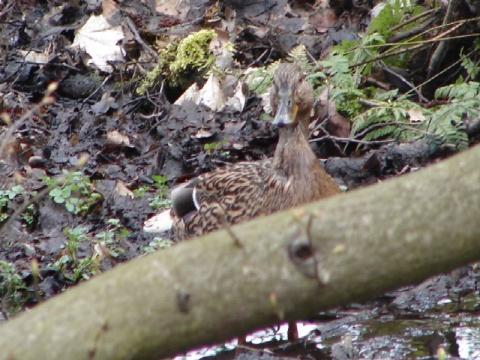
283	267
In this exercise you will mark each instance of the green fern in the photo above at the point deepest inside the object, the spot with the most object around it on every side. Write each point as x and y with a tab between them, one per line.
448	120
391	115
459	92
369	46
447	125
393	13
384	132
391	119
260	79
468	63
337	76
299	55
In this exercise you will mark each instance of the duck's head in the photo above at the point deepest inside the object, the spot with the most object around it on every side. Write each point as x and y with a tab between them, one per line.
291	96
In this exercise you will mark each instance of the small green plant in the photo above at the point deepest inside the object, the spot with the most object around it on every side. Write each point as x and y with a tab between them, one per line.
214	146
6	197
111	238
141	191
470	65
157	244
106	243
161	200
75	191
261	79
12	288
68	264
28	216
390	116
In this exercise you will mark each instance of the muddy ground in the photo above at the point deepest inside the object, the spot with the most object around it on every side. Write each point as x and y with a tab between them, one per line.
112	142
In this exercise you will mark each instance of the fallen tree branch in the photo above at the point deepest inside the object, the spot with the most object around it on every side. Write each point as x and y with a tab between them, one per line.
290	266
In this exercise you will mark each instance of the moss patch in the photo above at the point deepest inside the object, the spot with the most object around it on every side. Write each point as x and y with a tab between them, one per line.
181	62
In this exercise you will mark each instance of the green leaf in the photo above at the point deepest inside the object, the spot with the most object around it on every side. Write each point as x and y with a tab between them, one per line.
55	192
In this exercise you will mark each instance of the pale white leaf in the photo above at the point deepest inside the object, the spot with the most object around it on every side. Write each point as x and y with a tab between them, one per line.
100	40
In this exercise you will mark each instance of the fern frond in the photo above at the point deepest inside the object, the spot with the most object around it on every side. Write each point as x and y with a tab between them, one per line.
385	96
299	55
447	123
380	133
459	92
363	121
259	80
390	119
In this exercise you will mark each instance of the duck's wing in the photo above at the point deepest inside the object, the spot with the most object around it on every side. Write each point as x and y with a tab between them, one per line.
228	195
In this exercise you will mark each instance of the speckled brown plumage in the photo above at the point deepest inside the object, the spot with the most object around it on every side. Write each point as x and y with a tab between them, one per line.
242	191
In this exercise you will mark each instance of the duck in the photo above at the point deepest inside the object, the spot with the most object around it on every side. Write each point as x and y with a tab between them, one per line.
239	192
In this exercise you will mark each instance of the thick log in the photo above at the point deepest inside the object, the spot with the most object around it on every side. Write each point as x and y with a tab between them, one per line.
282	267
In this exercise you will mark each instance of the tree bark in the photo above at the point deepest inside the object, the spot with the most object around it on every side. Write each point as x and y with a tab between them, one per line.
287	266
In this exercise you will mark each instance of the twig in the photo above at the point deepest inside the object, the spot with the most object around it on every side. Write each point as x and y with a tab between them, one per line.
139	39
413	19
441	50
96	90
330	137
46	100
257	60
320	127
419	44
413	31
412	86
7	8
430	79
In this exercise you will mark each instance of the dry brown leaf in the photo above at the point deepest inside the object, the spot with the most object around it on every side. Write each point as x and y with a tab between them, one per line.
116	138
203	134
122	190
416	116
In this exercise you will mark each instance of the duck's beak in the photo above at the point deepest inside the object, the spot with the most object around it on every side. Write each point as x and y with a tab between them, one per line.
286	112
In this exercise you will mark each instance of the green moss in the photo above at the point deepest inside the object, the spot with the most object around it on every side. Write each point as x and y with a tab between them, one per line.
181	62
150	80
193	52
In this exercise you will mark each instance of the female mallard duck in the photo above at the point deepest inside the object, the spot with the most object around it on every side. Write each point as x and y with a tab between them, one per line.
245	190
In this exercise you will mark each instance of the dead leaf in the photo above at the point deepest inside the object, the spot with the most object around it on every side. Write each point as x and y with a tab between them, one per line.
168	7
329	104
237	146
122	190
99	251
323	20
237	101
203	134
211	94
99	39
35	57
416	116
115	138
106	102
338	126
111	12
232	127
